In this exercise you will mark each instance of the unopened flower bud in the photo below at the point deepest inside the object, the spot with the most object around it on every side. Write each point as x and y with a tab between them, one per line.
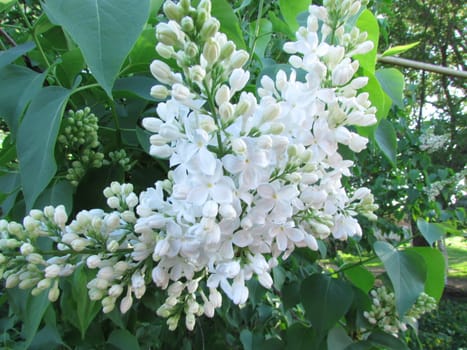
60	216
165	51
172	11
12	281
161	71
187	24
126	302
191	49
159	92
26	249
112	246
131	200
211	51
35	259
79	244
226	111
113	202
271	112
93	261
210	28
238	59
222	95
166	34
227	50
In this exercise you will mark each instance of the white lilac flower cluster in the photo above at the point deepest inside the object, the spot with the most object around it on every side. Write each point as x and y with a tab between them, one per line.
253	177
431	143
383	312
457	181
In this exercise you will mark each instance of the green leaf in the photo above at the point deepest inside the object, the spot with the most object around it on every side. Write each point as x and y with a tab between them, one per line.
392	82
83	310
136	85
291	9
386	140
435	270
5	5
279	26
300	337
58	193
10	185
8	56
432	232
367	22
338	339
290	294
230	25
263	38
387	341
143	53
123	339
399	49
250	341
325	300
104	30
35	310
378	98
360	277
47	338
72	64
406	271
36	141
18	86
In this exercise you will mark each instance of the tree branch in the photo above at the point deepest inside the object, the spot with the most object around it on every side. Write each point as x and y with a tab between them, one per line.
423	66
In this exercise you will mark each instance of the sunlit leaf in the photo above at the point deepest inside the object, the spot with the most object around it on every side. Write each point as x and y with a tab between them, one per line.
230	25
435	270
360	277
291	9
432	232
399	49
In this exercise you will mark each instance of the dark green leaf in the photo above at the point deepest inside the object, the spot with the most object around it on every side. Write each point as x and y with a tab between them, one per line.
386	139
136	85
338	339
291	294
230	24
432	232
250	341
8	56
10	185
386	341
72	64
367	22
291	9
58	193
325	300
47	338
35	309
435	270
300	337
104	30
392	82
360	277
406	271
18	86
85	310
36	141
399	49
123	339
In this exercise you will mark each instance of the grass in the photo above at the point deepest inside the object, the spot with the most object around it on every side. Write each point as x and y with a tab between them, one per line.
457	257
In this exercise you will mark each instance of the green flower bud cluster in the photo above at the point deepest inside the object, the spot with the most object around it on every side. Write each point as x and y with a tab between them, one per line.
79	141
383	313
94	239
121	158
